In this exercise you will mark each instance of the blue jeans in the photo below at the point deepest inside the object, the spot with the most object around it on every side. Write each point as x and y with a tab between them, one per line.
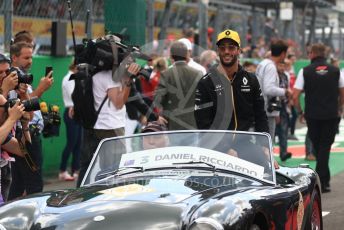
73	143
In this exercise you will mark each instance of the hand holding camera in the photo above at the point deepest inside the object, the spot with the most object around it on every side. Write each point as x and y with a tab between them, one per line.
132	70
22	91
16	111
22	77
10	82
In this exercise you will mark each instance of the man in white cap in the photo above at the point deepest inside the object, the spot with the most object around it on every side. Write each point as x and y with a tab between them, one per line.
191	62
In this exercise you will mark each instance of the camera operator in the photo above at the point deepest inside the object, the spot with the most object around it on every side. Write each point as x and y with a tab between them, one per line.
269	82
25	179
111	118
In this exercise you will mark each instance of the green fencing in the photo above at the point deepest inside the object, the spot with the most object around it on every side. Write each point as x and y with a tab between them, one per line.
53	146
127	18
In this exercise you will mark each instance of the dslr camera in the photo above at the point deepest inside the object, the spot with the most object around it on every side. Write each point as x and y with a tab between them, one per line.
22	77
274	104
30	104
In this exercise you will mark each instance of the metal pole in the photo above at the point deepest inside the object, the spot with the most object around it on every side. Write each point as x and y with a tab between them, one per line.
218	24
150	21
312	28
164	24
203	24
89	7
255	26
8	17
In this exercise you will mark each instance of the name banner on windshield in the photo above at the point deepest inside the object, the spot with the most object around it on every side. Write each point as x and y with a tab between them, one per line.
167	156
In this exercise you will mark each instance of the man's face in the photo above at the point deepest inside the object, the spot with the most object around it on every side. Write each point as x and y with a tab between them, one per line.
155	141
228	52
3	67
24	60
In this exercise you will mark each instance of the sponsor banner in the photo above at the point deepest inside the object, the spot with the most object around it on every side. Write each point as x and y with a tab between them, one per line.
169	155
42	27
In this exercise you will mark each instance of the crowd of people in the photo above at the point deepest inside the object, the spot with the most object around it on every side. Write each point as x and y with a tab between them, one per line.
212	91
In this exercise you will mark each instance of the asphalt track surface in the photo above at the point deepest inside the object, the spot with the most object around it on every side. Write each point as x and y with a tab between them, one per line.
332	203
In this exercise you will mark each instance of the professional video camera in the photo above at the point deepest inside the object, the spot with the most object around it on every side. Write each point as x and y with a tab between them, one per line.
107	53
22	77
31	104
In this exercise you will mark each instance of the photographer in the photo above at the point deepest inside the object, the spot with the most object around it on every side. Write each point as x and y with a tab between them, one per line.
111	118
8	81
26	179
269	82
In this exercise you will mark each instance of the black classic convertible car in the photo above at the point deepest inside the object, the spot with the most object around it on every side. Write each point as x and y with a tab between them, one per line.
187	180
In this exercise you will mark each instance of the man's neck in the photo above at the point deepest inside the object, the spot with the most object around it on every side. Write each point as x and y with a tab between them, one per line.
275	60
230	71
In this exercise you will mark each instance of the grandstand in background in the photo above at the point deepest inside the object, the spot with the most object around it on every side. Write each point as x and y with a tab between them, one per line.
246	16
37	16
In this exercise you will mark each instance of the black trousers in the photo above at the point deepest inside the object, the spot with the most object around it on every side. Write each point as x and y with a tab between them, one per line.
23	178
322	134
6	180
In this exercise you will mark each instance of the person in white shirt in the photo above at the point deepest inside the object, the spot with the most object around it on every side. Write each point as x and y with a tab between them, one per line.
111	118
269	82
190	61
73	130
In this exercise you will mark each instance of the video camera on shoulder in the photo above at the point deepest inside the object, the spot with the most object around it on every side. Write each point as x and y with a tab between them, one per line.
22	77
108	53
31	104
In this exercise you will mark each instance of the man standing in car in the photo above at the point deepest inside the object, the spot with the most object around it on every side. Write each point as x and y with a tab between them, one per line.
228	97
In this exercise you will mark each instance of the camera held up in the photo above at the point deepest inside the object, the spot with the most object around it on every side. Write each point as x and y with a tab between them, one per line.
22	77
31	104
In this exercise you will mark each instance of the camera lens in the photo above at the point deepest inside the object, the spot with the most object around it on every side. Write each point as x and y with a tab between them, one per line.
31	104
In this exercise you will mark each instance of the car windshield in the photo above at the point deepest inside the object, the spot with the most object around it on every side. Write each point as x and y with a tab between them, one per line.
245	153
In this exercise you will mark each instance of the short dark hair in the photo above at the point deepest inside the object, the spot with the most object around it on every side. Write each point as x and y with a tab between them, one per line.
278	47
319	49
23	36
179	51
16	48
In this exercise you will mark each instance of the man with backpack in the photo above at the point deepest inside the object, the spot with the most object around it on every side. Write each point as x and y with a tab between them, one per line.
109	102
